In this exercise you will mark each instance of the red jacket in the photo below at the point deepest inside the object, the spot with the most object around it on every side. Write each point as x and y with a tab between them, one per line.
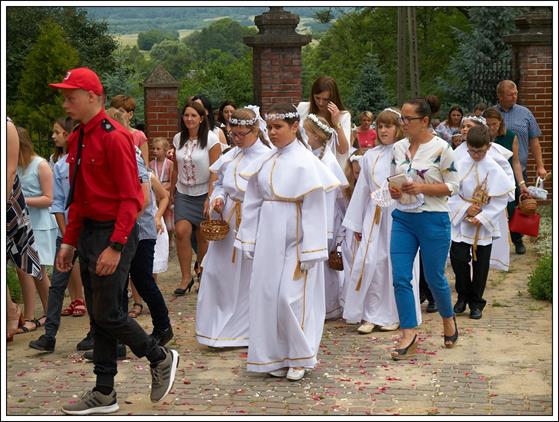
107	187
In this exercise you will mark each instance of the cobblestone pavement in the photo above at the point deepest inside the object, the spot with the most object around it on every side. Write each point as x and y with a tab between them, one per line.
501	365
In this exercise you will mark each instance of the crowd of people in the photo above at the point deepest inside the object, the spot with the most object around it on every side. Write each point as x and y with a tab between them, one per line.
322	222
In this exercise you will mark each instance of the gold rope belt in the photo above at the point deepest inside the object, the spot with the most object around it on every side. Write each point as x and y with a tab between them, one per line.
376	220
237	211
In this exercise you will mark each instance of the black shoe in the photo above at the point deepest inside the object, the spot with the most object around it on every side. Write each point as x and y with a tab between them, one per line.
182	292
460	306
120	353
450	341
162	337
475	313
44	343
520	248
87	343
431	307
407	352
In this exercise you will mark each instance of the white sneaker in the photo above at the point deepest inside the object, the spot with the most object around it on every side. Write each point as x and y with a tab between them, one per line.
389	327
366	328
278	373
295	374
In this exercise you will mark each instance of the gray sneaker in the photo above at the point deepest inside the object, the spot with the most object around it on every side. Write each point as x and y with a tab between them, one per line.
163	375
92	402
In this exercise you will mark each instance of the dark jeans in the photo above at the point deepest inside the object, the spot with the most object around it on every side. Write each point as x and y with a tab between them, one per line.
104	298
58	284
470	288
141	273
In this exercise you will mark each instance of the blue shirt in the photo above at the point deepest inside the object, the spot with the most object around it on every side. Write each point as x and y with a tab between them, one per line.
522	122
146	220
61	188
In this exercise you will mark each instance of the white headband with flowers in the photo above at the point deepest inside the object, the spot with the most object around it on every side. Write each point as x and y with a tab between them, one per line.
326	129
281	116
241	122
478	119
397	113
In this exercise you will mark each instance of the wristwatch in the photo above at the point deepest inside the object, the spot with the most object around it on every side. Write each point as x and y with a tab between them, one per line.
117	246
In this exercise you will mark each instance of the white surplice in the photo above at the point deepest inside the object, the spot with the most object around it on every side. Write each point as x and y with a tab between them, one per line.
336	205
285	221
369	293
222	315
499	186
500	251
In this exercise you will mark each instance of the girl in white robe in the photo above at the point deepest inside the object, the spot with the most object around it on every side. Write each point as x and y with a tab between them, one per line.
319	134
370	293
222	312
284	231
500	252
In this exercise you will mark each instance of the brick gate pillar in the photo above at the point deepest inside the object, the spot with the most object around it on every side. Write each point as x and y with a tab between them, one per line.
277	58
161	94
532	67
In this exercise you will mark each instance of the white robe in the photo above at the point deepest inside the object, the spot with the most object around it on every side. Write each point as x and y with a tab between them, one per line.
284	220
472	173
500	251
335	201
369	294
222	315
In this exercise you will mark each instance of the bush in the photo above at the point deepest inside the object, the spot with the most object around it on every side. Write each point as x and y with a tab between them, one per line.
13	284
540	285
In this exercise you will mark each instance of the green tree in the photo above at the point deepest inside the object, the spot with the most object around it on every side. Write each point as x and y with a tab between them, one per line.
38	104
225	35
90	38
174	55
478	47
369	92
147	39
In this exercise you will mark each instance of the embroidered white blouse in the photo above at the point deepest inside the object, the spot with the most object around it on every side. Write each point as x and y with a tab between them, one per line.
433	163
193	165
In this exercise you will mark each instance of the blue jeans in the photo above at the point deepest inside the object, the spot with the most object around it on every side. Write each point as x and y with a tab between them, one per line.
58	285
429	231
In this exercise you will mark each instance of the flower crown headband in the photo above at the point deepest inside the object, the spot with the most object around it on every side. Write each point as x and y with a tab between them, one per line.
397	113
281	116
478	119
240	122
326	129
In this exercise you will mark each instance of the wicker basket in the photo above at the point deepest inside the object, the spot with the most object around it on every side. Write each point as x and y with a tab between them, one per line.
527	205
335	260
214	229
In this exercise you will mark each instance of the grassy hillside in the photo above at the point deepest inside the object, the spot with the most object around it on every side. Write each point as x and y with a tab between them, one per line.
131	20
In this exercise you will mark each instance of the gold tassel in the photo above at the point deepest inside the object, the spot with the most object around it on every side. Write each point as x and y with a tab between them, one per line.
377	215
358	287
298	273
234	255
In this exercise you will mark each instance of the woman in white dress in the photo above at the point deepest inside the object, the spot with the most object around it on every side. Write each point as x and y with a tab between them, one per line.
370	293
325	102
319	133
222	313
284	231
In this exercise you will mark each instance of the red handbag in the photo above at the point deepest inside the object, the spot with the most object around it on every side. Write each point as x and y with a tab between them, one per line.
525	224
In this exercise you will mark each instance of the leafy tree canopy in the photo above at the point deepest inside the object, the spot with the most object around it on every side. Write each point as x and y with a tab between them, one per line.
146	40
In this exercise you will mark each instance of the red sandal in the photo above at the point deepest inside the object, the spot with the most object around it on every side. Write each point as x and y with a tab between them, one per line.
79	308
69	310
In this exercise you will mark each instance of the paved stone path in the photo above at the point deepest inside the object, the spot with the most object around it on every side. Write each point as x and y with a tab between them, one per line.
502	365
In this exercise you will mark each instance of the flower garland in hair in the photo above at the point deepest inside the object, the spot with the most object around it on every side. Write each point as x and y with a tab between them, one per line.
240	122
397	113
478	119
281	116
326	129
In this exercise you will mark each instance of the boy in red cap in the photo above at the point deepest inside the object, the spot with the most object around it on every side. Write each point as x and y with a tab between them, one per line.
101	225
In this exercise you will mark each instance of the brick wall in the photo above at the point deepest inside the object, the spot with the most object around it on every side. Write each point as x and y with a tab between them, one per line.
535	91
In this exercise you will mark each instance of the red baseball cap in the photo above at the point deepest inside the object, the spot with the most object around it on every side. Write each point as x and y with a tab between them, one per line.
81	78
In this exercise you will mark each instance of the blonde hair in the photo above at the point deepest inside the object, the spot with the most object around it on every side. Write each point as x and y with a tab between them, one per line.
390	118
160	140
348	171
118	115
312	127
367	114
26	151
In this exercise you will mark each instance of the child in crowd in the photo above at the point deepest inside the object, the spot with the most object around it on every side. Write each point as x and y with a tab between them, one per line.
163	169
284	231
483	196
370	293
319	134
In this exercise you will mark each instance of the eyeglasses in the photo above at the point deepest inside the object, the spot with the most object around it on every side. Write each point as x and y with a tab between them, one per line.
239	134
407	119
477	152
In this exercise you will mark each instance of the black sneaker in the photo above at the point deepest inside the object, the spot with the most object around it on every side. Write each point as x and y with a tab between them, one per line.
163	374
460	306
44	343
92	402
475	313
87	343
520	248
120	353
431	307
162	337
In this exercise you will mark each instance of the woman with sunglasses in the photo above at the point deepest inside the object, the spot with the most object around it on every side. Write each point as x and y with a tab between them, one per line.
427	161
